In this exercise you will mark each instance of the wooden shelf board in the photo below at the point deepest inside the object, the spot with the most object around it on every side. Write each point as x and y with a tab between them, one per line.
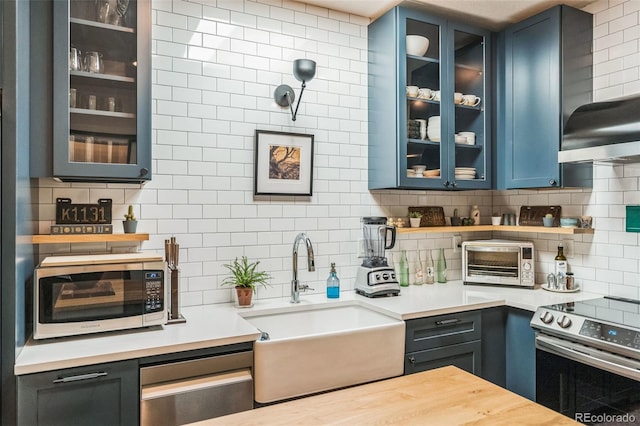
485	228
87	238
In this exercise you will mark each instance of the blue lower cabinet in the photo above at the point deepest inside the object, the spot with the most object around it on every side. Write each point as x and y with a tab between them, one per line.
466	356
493	345
452	339
101	394
520	354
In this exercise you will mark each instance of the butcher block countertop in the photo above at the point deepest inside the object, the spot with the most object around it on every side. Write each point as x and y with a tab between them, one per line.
445	396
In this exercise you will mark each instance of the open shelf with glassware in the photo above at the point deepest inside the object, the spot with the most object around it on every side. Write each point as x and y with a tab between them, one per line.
497	228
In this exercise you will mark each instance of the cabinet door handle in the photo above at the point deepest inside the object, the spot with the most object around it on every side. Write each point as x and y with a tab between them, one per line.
446	183
448	321
79	377
552	182
412	360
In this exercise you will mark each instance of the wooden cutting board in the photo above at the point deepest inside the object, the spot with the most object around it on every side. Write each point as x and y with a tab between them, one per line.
532	215
431	216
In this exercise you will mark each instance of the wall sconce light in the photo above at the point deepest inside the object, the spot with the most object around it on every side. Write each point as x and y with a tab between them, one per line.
304	70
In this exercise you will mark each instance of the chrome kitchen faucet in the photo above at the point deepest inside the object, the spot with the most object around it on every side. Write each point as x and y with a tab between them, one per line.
295	284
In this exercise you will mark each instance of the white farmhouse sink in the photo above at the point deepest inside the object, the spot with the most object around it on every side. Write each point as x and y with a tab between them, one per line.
313	349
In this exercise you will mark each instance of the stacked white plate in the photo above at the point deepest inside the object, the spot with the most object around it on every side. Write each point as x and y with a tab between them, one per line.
463	173
433	128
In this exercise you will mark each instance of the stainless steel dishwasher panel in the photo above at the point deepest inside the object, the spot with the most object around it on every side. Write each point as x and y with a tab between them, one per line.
193	390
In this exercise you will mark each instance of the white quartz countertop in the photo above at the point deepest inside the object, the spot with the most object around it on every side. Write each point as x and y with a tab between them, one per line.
222	324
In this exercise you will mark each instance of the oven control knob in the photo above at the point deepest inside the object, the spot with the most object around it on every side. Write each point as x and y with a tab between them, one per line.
546	317
526	266
564	321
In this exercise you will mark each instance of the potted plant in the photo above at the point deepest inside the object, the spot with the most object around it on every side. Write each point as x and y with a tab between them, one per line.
414	219
455	219
130	223
245	278
547	220
496	218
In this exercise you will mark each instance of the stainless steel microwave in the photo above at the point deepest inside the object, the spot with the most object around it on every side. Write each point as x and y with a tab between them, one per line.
498	262
76	295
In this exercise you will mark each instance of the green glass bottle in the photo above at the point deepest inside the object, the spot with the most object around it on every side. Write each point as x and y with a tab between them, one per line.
441	267
403	273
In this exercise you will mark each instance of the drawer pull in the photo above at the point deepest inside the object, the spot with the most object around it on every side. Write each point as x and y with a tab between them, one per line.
87	376
412	360
448	321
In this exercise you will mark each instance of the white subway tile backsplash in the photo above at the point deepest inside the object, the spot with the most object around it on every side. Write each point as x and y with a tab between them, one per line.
202	26
174	79
187	37
624	22
630	6
170	20
609	14
215	67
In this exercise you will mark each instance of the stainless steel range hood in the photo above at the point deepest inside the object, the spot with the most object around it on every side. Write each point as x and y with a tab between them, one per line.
603	131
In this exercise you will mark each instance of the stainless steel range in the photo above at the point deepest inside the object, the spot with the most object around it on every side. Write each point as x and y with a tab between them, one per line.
588	359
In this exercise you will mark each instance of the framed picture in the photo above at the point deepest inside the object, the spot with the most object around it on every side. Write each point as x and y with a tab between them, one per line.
283	163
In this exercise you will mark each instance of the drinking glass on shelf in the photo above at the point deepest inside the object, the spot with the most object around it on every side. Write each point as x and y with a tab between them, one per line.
75	59
92	102
111	103
103	11
88	149
73	97
93	62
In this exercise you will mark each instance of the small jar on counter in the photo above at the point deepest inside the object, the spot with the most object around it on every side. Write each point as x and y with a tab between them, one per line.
570	281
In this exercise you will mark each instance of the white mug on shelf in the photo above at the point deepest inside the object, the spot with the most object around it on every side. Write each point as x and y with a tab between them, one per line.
425	93
470	136
436	95
457	98
412	91
471	100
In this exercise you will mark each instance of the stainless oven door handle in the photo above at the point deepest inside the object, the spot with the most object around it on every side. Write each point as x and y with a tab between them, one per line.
614	364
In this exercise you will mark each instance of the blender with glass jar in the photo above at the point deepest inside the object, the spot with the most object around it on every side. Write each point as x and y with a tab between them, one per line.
375	277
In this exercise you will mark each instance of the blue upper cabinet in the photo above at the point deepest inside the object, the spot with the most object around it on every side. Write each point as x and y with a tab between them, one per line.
99	78
544	74
428	107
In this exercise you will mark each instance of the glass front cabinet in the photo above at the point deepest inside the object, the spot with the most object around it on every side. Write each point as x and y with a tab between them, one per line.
102	90
429	106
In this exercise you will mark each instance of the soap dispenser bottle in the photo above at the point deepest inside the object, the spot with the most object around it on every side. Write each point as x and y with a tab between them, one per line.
333	283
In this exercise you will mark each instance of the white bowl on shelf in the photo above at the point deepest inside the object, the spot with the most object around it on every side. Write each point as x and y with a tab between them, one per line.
418	169
417	45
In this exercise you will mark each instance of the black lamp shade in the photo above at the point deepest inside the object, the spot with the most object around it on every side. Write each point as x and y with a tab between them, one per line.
304	69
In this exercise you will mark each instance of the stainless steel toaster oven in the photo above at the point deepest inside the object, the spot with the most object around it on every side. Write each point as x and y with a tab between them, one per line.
498	262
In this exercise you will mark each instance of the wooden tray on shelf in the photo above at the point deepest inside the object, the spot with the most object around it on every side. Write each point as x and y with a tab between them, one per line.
532	215
431	216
